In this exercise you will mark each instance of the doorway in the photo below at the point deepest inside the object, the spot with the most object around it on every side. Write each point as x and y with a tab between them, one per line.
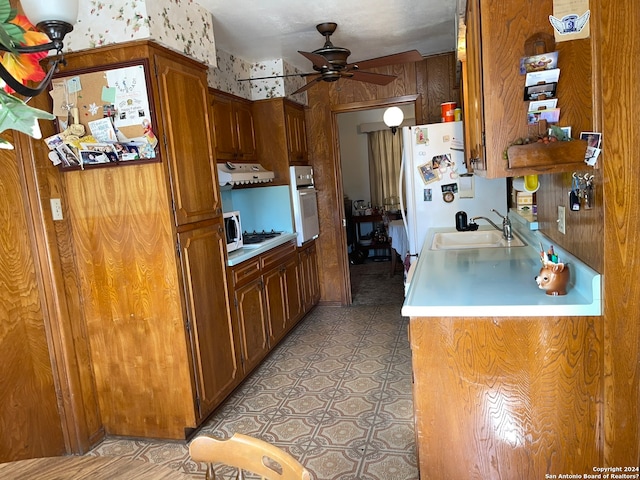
352	123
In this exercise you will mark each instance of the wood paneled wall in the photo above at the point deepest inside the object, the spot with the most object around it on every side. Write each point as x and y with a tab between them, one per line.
30	421
585	228
618	40
434	79
131	306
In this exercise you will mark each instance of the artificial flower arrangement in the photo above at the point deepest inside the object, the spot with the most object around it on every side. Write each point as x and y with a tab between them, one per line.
14	112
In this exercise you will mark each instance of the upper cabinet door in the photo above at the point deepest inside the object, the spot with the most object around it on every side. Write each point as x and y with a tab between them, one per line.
233	129
188	143
473	99
296	133
246	131
224	127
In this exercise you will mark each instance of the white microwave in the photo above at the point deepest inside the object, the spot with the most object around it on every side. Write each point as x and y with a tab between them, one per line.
233	230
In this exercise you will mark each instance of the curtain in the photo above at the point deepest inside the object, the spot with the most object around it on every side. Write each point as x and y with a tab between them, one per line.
385	157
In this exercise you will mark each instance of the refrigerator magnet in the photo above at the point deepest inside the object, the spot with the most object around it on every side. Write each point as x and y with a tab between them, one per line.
428	174
448	192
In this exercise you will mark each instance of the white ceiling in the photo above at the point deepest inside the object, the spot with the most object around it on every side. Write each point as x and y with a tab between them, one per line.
259	30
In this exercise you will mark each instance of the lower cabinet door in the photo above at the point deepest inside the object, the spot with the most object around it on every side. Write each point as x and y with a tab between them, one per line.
214	343
293	289
252	320
275	294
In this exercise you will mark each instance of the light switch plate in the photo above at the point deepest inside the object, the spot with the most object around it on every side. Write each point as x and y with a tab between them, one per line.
562	226
56	209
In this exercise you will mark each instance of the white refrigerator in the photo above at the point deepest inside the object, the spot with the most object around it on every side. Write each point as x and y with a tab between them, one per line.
435	184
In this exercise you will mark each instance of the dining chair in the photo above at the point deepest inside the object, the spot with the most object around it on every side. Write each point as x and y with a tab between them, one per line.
247	453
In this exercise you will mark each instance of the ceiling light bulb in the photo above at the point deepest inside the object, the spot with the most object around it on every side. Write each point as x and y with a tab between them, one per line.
393	117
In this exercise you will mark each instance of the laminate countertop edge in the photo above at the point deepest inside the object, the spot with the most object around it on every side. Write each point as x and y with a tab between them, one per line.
246	253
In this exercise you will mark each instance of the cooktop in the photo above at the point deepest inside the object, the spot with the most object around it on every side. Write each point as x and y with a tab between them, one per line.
258	237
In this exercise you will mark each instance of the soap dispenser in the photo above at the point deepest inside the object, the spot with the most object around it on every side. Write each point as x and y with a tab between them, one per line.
461	221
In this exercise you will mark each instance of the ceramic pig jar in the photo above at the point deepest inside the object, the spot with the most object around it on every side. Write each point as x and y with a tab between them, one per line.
554	278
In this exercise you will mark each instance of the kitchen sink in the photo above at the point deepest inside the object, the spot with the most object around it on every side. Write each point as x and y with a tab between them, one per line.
475	239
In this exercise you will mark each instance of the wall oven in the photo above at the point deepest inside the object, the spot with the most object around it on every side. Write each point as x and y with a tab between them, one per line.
233	230
304	197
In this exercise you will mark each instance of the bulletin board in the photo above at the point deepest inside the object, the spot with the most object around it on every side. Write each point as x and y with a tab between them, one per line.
108	110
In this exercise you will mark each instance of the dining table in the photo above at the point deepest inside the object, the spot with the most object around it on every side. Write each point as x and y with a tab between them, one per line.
88	467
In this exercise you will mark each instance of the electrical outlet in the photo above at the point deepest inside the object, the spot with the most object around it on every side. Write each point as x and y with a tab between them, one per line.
56	208
562	226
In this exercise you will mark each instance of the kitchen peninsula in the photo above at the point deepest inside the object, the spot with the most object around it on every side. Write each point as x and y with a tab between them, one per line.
507	379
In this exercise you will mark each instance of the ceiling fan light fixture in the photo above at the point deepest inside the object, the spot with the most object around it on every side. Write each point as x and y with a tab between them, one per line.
393	117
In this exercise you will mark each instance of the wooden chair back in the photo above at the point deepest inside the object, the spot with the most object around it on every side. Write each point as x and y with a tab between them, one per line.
247	453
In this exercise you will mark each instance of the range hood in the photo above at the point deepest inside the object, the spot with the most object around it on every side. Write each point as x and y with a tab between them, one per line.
243	173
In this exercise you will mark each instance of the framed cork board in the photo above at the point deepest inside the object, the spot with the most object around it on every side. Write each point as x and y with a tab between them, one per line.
105	117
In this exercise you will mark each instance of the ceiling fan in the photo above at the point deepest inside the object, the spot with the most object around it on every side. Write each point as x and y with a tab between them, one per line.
330	63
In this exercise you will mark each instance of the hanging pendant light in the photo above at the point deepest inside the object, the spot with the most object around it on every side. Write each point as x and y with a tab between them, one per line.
55	18
393	117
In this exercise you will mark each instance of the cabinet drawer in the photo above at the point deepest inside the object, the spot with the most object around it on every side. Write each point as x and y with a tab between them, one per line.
245	272
277	255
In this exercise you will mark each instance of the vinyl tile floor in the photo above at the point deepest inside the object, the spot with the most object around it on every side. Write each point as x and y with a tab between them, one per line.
335	394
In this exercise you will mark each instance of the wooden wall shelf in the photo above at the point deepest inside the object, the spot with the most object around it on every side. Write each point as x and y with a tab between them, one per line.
535	155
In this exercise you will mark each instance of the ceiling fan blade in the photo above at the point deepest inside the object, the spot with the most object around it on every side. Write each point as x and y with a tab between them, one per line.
318	60
396	58
308	85
278	76
369	77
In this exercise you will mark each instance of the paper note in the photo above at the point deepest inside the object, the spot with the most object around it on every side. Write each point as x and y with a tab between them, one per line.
103	130
74	85
108	95
131	100
58	95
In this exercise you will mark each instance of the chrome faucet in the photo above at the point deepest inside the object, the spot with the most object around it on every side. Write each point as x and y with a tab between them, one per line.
506	224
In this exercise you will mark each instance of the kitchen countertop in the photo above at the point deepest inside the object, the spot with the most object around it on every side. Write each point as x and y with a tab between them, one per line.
245	253
497	282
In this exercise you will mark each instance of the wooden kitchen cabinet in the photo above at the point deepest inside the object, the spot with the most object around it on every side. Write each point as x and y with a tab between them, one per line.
150	256
308	260
500	397
251	316
296	133
233	128
214	340
283	293
495	113
195	193
281	136
267	300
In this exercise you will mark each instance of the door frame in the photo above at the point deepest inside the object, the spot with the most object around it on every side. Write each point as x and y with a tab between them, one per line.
416	100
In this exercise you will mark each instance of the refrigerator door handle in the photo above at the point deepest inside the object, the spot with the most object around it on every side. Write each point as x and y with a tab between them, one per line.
401	188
